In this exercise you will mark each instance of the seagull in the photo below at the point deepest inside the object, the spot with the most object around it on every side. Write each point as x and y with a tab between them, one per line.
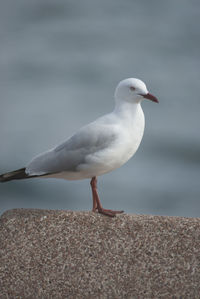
98	147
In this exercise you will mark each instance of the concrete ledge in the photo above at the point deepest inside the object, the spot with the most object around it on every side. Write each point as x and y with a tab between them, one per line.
64	254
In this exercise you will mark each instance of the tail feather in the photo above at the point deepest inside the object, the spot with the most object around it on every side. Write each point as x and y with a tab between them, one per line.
14	175
19	174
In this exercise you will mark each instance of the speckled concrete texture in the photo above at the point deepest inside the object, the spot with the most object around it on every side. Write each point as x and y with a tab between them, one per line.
64	254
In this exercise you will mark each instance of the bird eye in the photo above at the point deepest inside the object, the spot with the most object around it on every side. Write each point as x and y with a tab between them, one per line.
132	88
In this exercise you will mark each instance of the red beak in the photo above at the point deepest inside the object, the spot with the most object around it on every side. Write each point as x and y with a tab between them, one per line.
150	97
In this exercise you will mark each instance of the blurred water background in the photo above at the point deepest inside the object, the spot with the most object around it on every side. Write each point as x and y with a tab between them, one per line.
60	62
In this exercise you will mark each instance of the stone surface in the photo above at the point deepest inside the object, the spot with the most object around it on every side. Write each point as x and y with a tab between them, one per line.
64	254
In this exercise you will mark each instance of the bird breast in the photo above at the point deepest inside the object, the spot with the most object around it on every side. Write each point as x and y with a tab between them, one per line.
122	149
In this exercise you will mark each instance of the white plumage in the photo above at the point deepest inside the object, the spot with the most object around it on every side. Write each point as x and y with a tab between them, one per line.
97	148
101	146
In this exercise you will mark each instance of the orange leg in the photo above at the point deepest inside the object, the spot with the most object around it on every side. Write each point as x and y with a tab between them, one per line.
96	201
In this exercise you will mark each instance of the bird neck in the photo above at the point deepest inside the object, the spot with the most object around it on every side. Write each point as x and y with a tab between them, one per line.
126	109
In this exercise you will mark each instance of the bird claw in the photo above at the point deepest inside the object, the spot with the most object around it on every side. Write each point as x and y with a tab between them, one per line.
107	212
114	212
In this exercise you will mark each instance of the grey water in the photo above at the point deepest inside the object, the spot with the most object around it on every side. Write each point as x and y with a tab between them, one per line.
59	64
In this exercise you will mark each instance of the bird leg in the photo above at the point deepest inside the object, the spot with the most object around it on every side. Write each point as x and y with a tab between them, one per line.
94	192
96	201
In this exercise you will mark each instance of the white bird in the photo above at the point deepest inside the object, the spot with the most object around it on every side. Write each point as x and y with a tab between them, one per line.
97	148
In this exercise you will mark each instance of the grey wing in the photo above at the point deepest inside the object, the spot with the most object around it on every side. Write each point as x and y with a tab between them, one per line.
73	152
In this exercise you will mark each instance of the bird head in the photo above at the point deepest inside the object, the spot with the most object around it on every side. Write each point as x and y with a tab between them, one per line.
133	90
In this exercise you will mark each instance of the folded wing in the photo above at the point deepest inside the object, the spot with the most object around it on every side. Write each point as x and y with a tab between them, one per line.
73	152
